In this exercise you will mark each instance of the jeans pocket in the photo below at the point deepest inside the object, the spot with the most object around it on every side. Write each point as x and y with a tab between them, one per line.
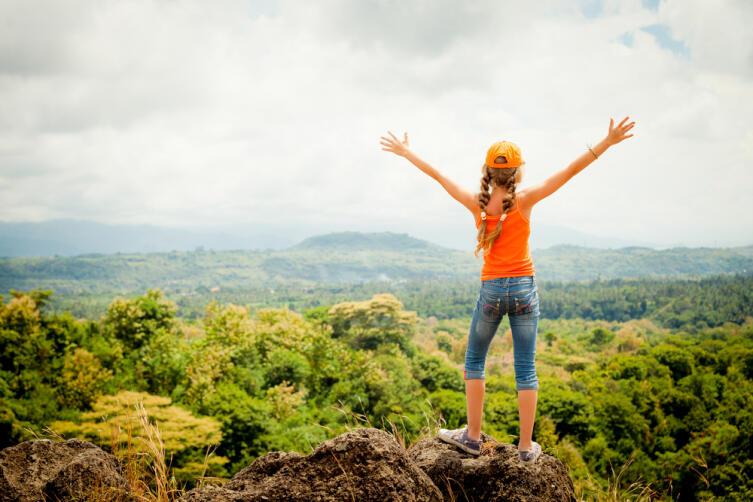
525	301
490	305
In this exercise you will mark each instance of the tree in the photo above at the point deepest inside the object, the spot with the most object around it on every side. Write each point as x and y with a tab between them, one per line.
114	420
369	324
678	360
285	366
134	321
601	337
82	379
550	337
434	373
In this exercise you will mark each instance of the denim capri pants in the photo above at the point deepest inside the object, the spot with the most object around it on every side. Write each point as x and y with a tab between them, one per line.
518	298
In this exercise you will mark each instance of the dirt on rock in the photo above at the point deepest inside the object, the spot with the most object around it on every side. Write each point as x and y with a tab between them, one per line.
361	465
495	475
42	469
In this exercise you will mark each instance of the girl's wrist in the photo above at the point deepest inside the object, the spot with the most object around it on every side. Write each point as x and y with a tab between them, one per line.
602	145
599	148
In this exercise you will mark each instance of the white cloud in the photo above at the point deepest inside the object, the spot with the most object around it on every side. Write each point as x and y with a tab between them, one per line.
217	113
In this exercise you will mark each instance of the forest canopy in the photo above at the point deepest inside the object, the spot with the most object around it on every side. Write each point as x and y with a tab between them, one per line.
677	404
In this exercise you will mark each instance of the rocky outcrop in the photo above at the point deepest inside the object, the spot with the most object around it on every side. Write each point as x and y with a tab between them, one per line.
40	470
495	475
362	465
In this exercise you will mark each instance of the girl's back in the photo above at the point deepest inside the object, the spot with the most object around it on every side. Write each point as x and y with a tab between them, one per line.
509	256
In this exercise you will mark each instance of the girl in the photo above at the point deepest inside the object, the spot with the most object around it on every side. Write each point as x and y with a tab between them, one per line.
508	284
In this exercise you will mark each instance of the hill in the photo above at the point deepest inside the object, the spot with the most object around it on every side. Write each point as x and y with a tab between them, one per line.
385	241
568	263
70	237
347	257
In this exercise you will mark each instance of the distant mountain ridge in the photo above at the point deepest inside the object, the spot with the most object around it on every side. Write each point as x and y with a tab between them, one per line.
71	237
364	241
348	257
567	263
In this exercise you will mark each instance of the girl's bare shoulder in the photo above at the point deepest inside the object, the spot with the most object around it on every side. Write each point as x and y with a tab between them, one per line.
524	203
476	210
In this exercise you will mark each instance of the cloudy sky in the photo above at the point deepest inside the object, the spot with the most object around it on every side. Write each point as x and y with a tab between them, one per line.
268	113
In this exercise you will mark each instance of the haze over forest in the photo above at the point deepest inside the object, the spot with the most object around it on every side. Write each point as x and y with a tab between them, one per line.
264	117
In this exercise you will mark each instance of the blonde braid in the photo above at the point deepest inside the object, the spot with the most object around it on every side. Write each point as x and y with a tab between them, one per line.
483	200
501	176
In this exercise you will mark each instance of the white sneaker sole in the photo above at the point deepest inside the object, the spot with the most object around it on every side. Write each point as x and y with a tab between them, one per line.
449	440
537	449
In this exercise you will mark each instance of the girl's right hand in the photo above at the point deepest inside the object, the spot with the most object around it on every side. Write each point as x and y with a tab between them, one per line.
617	134
396	146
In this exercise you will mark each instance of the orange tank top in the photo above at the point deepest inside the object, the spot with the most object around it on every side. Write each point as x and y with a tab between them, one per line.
510	255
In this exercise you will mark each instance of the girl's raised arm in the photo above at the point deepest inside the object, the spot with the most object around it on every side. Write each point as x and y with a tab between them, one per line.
457	192
532	195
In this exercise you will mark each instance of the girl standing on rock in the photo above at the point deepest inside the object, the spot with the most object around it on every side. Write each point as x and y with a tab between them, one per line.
508	283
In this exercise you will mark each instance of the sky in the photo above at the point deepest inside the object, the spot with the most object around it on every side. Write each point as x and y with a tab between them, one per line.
266	114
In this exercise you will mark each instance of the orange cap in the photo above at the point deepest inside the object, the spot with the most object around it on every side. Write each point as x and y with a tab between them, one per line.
506	149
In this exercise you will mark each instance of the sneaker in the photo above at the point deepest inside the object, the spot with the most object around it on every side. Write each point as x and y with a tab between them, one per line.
530	456
459	438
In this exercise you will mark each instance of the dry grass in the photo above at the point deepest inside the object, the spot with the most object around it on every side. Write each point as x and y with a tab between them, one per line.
205	480
163	487
586	490
589	490
137	443
151	477
350	483
450	493
433	421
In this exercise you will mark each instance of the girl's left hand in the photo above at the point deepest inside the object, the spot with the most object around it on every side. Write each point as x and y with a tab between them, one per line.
396	146
619	133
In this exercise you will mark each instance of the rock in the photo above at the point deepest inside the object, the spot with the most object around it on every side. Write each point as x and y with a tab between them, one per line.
42	469
495	475
362	465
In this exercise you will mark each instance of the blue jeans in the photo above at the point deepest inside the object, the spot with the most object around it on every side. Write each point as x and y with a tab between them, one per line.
517	297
